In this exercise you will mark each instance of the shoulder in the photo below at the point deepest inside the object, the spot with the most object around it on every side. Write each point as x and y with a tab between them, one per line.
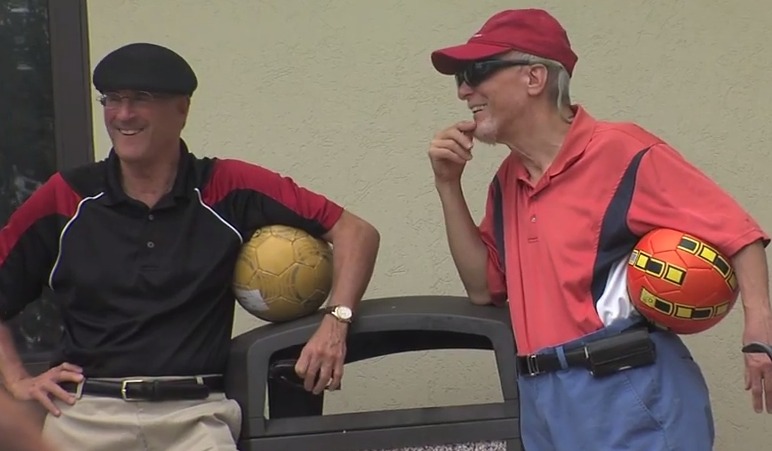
623	136
226	177
234	174
621	147
86	180
237	171
54	197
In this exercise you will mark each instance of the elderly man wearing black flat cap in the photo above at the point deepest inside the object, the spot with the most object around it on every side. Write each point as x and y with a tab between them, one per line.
139	251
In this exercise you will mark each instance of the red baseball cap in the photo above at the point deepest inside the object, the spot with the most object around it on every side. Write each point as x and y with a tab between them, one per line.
532	31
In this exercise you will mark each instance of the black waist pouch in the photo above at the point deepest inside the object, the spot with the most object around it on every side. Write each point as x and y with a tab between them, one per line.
630	349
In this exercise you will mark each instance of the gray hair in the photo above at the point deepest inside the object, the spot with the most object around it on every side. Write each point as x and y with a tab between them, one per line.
558	80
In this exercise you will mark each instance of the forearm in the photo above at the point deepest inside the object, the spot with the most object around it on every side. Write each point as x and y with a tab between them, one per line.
18	427
11	368
750	265
354	256
466	247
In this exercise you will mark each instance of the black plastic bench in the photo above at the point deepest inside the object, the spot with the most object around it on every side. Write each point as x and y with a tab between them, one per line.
386	326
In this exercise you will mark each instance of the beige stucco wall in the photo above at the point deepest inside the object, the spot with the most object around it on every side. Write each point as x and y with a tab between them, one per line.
341	96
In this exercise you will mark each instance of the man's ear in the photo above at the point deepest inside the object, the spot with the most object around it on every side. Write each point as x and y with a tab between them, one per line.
538	76
184	105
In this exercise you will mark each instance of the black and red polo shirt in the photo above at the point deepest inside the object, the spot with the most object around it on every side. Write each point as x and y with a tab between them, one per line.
146	291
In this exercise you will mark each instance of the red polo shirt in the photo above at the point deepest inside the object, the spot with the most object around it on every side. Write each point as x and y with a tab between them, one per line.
557	248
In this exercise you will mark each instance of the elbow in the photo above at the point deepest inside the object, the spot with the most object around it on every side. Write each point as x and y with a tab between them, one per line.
371	234
355	230
479	298
368	235
485	297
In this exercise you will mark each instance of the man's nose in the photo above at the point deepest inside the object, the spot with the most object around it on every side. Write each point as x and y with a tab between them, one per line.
124	110
464	90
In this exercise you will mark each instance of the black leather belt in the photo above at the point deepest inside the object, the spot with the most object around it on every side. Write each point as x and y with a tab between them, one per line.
628	349
150	389
535	364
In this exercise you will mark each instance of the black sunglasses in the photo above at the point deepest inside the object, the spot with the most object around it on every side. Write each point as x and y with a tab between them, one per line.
479	71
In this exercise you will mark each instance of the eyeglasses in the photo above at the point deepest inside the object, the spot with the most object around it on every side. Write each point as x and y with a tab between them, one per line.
138	99
479	71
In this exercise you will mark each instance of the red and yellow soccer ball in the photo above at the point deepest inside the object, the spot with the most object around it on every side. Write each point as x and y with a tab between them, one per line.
680	282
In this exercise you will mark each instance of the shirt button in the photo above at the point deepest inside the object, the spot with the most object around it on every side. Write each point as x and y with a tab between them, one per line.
150	244
150	217
533	218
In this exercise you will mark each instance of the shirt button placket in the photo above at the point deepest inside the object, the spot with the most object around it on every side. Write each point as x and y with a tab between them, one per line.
533	230
150	243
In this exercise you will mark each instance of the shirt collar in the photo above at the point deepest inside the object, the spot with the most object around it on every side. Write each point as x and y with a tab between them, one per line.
183	186
573	147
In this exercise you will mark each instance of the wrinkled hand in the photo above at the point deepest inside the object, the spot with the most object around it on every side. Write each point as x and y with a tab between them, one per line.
450	150
323	356
45	385
758	366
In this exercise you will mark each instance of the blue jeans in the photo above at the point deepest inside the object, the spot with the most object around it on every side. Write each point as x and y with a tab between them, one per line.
662	407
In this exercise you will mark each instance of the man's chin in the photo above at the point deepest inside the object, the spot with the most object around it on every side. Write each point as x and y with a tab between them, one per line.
131	154
485	135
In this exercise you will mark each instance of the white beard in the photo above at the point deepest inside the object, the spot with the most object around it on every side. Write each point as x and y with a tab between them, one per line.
487	131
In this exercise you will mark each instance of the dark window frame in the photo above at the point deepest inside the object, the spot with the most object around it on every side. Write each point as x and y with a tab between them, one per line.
72	106
70	67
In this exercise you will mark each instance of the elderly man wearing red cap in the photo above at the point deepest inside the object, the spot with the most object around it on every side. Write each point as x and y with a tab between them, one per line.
139	250
564	211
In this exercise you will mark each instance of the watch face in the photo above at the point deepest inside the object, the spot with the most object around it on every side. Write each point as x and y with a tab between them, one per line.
343	312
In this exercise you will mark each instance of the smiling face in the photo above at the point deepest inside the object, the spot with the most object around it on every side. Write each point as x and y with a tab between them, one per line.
142	126
500	94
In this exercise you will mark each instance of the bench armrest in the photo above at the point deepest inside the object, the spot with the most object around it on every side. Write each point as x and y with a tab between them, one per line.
381	327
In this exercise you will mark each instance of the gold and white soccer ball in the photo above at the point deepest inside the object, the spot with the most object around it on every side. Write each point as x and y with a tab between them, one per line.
283	273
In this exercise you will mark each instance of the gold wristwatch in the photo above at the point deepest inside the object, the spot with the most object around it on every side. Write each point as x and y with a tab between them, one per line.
340	312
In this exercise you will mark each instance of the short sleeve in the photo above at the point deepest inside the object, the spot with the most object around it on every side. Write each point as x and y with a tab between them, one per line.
672	193
493	239
253	197
28	247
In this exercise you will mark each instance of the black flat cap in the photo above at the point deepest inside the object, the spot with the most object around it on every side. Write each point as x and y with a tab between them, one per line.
145	67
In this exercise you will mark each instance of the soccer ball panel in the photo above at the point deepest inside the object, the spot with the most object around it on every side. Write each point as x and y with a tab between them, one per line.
290	269
680	282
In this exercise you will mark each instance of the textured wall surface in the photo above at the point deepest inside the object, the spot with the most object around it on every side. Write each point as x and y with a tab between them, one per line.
341	95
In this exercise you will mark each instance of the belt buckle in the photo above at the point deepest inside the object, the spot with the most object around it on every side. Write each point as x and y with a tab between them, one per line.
124	386
532	365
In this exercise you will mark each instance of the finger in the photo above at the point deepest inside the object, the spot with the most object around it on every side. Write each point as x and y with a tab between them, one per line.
45	401
466	126
768	395
301	366
747	378
71	367
767	381
337	375
455	147
442	153
311	375
463	139
325	374
756	392
57	391
68	376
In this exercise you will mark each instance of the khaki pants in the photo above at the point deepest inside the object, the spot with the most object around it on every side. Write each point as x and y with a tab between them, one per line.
108	424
